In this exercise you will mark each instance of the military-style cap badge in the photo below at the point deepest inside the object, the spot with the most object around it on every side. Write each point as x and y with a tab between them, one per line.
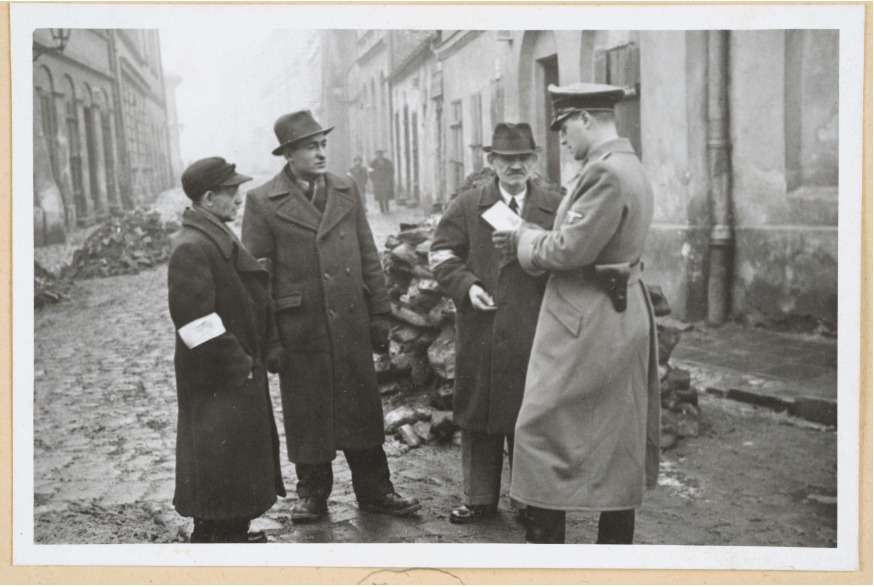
512	139
294	127
206	174
581	96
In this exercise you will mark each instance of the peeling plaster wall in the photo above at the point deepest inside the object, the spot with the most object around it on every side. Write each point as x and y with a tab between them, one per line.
786	242
673	123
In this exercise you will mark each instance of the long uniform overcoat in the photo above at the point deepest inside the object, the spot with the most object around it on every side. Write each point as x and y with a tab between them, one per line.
327	283
492	347
227	446
587	437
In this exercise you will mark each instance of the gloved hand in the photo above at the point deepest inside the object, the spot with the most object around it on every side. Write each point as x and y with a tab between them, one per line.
379	331
275	358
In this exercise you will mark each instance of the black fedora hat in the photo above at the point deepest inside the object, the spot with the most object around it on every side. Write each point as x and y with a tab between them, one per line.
512	139
294	127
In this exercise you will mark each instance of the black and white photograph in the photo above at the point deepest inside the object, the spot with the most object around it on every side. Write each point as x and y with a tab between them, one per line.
575	287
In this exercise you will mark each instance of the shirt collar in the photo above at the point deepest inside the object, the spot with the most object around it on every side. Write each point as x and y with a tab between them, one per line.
520	197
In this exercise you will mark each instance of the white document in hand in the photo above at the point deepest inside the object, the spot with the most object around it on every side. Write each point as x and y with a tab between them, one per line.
500	217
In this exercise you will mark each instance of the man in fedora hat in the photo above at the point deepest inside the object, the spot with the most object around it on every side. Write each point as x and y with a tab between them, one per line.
587	437
331	309
227	449
497	305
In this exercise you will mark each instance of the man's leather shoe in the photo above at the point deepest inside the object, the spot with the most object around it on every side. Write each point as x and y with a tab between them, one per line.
309	509
258	537
468	514
393	504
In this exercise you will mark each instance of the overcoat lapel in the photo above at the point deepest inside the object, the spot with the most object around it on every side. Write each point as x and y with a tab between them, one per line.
244	262
339	204
538	210
290	203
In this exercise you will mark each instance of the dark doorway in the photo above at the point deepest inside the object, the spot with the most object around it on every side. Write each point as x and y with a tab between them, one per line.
415	137
91	146
547	73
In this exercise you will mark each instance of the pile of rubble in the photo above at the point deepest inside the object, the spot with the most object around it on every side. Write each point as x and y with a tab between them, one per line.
422	347
680	413
48	288
124	244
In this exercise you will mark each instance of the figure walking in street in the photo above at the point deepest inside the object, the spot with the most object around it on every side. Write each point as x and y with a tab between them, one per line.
227	446
382	174
497	307
358	172
332	312
587	437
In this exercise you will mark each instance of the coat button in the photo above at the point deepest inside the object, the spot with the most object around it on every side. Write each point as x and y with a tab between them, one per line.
348	271
327	275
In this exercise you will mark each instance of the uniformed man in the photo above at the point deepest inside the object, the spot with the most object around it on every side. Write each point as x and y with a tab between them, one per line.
227	446
331	307
497	306
587	437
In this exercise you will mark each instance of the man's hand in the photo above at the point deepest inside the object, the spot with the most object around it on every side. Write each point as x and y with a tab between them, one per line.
379	331
505	242
480	299
275	358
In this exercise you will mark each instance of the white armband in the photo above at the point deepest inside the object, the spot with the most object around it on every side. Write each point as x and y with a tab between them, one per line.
205	328
439	256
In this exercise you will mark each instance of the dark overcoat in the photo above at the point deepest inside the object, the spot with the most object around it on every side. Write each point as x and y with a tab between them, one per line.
382	175
327	283
492	347
587	437
227	447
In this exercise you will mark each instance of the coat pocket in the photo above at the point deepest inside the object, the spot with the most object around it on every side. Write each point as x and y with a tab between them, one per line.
567	315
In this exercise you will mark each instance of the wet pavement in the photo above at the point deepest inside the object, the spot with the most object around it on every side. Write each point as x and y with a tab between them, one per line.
105	423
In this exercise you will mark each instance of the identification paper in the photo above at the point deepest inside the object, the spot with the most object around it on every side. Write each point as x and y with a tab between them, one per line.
500	217
197	332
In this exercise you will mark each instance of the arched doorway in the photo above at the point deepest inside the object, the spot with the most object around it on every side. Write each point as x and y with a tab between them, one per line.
75	151
538	68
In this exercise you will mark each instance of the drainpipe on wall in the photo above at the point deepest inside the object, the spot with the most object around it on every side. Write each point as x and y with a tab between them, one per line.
721	245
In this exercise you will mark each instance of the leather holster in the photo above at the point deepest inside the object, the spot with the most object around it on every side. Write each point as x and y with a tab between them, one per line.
613	279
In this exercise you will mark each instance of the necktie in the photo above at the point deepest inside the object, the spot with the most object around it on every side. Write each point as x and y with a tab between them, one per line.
514	206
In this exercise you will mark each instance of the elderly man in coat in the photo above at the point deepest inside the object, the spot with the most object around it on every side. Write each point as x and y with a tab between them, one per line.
331	309
497	307
227	446
587	437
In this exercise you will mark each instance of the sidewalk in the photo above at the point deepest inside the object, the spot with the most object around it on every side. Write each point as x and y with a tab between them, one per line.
794	372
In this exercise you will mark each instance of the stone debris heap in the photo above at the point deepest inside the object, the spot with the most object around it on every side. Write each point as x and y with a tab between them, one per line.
48	287
124	244
421	353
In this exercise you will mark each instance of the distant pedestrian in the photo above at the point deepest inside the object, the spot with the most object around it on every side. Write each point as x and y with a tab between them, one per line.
587	437
497	307
382	175
227	446
332	312
358	172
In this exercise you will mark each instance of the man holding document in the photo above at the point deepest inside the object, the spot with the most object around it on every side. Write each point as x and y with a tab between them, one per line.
497	307
587	437
227	446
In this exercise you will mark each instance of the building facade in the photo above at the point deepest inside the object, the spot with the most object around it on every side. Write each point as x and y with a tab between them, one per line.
737	130
101	131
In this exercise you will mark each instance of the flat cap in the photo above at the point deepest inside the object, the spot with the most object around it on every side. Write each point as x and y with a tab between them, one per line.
581	96
206	174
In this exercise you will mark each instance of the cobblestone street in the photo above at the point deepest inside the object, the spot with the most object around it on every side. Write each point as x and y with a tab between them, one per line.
104	441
